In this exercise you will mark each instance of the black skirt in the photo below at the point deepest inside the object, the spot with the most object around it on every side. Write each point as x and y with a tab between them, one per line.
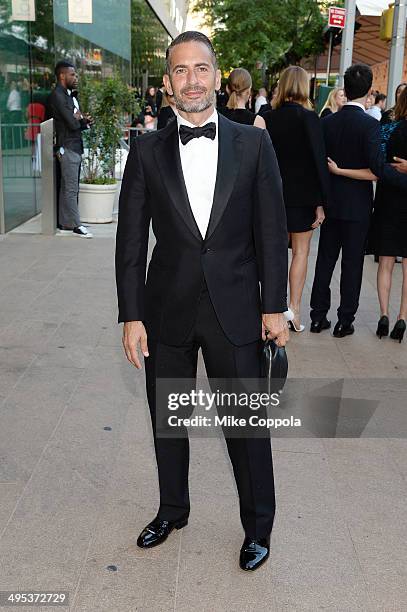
388	229
300	218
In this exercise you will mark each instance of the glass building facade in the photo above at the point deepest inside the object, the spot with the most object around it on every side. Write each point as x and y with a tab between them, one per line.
126	36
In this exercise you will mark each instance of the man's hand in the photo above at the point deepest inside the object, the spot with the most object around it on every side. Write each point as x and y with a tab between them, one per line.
134	333
89	119
401	165
277	328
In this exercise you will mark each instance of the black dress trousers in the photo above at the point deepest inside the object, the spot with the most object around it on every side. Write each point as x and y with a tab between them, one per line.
351	237
251	457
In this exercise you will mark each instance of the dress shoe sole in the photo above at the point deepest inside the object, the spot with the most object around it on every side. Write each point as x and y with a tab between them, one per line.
253	569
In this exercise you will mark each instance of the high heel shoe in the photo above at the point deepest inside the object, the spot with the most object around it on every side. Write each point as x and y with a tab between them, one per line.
383	327
398	330
291	323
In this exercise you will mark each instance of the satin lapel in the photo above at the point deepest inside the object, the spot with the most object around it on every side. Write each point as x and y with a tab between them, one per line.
229	159
168	161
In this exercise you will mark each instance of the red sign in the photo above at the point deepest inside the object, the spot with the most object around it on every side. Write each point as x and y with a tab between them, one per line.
337	17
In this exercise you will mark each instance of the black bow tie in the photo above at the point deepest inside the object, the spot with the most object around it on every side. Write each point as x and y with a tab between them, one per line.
187	133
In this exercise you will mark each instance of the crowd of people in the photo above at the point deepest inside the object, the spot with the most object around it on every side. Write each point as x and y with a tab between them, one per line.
329	166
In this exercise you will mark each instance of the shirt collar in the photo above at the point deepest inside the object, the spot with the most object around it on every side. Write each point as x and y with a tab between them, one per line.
355	104
212	119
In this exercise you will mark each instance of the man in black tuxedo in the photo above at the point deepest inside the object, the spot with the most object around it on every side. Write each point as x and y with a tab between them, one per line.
69	121
352	140
213	191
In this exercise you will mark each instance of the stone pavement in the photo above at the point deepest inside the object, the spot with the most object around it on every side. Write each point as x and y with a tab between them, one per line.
77	473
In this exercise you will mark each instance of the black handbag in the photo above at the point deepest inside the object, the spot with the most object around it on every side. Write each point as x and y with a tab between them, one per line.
274	365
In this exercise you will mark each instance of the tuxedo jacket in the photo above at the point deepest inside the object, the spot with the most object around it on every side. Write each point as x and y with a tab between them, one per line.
68	129
352	140
246	239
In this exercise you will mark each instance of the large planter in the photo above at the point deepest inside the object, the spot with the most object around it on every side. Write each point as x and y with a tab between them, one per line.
96	202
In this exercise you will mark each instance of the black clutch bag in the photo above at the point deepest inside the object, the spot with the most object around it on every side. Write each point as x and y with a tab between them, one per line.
274	365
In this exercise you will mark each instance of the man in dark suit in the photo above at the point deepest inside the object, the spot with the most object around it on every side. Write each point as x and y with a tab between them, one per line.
352	140
69	124
213	191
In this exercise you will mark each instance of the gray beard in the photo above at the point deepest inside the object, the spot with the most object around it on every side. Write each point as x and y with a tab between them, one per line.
195	107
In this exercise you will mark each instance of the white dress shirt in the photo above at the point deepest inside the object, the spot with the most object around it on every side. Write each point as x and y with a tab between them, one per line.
375	112
199	161
14	100
259	103
356	104
74	100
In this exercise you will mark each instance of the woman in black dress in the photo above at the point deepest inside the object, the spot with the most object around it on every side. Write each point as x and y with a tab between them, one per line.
388	231
388	235
150	108
239	90
297	137
388	116
167	111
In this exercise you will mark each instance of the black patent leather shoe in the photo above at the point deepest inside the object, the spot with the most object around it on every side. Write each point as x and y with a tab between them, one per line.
341	330
254	553
158	531
318	326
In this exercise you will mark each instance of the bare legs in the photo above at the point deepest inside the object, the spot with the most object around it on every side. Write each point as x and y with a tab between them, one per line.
384	277
300	243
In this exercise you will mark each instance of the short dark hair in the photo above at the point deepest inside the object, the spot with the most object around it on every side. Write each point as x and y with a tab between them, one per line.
379	98
61	66
358	80
190	36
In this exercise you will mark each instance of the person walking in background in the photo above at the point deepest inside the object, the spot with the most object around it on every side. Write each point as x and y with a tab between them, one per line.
215	239
296	133
167	111
369	102
352	140
239	87
378	107
150	108
388	232
69	124
266	107
35	116
261	99
159	96
388	116
334	102
14	116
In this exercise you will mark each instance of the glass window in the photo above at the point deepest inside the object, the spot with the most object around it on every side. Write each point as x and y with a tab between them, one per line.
25	69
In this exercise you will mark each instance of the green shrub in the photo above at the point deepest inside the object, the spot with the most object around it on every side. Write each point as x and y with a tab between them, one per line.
110	102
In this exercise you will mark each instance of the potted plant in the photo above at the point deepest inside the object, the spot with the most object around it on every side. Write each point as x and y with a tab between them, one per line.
109	102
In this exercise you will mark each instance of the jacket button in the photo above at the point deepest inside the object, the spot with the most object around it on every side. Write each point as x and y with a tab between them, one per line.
205	251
